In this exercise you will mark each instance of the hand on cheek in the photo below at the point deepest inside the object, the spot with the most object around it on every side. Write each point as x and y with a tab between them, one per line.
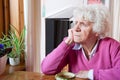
70	38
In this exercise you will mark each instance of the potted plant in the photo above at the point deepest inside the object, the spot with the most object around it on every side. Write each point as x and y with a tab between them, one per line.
3	61
17	42
4	50
15	39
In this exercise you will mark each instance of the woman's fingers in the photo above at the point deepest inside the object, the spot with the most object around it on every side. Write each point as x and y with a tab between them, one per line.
70	33
69	39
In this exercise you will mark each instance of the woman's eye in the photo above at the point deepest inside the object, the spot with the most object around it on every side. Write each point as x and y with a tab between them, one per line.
76	22
82	24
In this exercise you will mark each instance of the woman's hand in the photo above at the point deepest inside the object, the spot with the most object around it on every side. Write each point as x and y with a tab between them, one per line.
70	38
86	74
82	74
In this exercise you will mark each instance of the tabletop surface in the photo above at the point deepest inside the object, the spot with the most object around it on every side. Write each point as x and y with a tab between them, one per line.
24	75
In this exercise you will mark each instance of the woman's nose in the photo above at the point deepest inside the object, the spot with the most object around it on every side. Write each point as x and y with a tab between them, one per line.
77	28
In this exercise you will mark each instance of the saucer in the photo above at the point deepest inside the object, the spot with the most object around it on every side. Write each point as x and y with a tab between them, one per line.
65	76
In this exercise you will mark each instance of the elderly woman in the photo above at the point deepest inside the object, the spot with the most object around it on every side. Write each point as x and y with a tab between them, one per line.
87	49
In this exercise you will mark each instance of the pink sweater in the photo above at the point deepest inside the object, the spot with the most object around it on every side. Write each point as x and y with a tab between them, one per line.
105	62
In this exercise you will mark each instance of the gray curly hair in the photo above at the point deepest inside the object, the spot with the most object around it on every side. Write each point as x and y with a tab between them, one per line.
96	13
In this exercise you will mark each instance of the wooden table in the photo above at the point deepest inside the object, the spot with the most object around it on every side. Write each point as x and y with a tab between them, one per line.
24	75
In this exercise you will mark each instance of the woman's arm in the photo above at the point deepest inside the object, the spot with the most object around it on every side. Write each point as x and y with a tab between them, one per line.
56	60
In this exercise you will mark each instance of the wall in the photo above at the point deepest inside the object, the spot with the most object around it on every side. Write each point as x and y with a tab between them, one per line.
53	6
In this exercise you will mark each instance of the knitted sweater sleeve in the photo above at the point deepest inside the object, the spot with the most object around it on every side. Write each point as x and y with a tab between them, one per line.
56	60
114	72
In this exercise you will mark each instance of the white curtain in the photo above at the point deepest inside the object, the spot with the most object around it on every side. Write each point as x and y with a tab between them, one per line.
32	22
115	11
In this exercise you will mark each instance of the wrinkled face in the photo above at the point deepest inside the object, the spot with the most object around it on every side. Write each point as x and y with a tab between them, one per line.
82	31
